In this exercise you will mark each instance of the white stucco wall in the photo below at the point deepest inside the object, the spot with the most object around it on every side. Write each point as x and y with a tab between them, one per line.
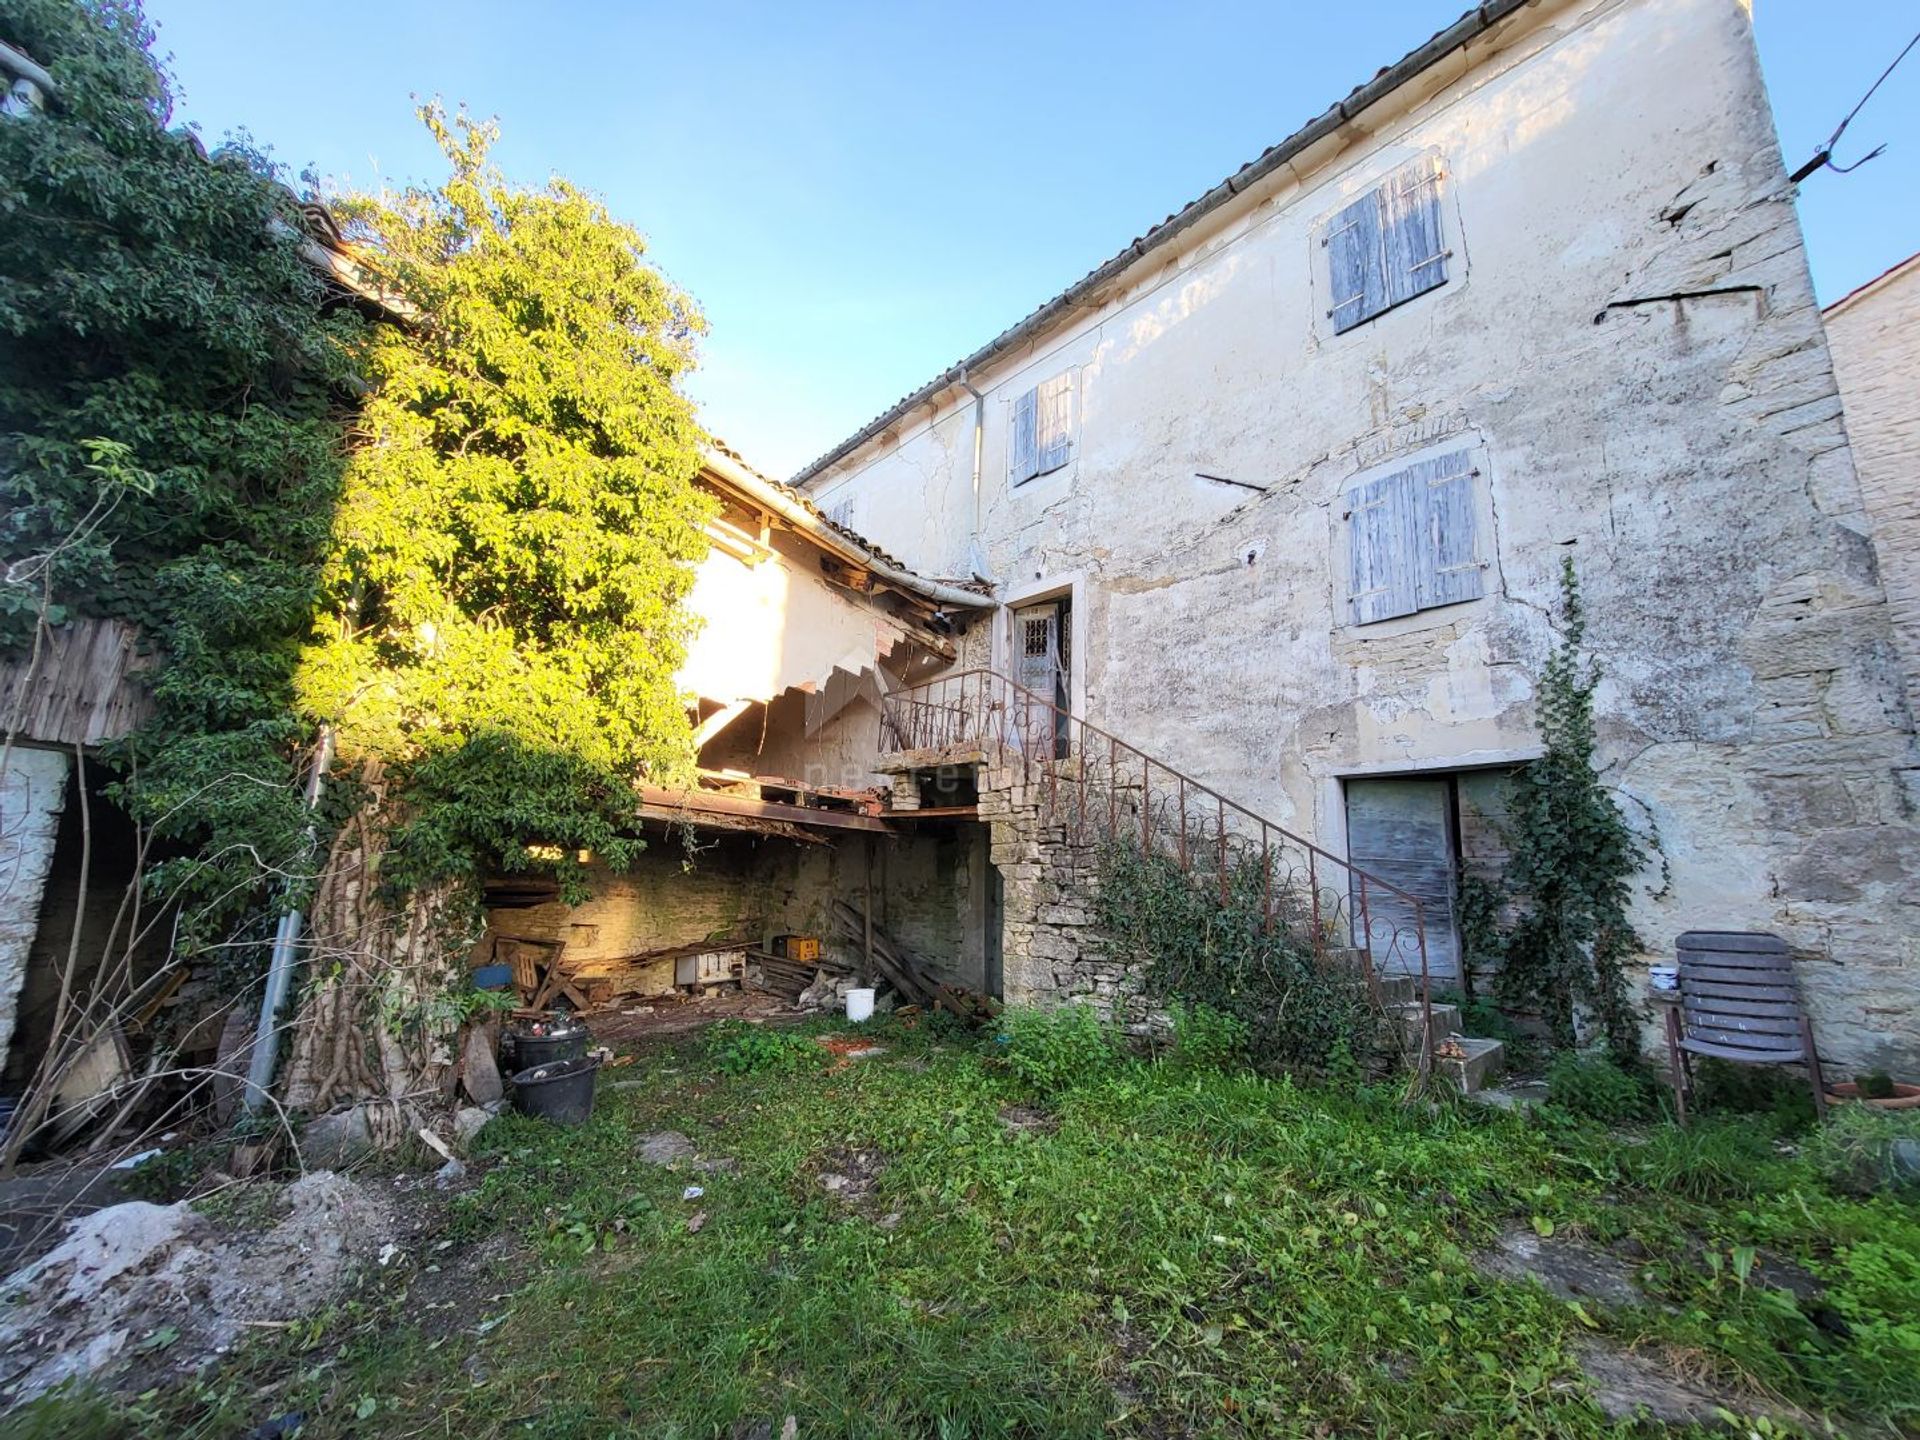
1875	337
775	624
1630	347
33	791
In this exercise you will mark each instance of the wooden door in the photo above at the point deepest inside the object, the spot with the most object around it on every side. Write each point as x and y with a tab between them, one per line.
1041	655
1401	830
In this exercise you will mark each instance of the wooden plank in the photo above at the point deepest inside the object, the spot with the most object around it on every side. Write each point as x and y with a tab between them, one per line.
86	687
1739	1000
1777	1023
1756	1047
1763	984
698	802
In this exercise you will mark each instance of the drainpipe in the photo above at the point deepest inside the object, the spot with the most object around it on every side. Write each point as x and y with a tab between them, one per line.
266	1038
976	557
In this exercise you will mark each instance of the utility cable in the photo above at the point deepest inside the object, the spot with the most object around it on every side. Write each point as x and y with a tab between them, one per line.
1824	155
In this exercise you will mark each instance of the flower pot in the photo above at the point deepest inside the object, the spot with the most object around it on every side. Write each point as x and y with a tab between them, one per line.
1904	1097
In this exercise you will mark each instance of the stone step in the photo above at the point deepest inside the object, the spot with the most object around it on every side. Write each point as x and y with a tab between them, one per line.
1397	989
1411	1015
1473	1064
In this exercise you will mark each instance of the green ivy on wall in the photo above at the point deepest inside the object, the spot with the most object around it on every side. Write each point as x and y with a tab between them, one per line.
1556	922
171	436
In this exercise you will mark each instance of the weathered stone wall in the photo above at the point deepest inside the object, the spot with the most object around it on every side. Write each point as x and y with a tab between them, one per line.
1875	336
1050	877
1629	347
33	790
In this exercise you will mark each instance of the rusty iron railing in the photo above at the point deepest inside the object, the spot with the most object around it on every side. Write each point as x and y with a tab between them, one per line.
1100	788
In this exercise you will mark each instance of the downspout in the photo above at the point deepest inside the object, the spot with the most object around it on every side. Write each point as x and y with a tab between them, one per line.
976	555
266	1037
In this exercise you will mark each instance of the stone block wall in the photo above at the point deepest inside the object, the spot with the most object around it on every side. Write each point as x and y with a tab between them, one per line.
1050	878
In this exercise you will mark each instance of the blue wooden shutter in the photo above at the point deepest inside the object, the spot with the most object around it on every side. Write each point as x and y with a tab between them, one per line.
1414	240
1443	496
1022	452
1356	279
1383	564
1054	423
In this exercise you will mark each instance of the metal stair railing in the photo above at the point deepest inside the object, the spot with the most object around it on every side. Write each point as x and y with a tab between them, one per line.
1100	788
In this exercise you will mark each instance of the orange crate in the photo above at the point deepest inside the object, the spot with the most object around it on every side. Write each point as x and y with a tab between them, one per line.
800	947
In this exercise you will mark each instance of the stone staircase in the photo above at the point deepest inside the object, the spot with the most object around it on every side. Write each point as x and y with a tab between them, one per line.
1470	1063
1054	788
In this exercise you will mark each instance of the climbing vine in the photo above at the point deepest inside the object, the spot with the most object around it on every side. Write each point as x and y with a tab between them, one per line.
1248	956
1556	923
173	396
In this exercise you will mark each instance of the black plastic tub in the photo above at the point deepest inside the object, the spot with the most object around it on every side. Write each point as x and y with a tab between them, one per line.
524	1051
560	1090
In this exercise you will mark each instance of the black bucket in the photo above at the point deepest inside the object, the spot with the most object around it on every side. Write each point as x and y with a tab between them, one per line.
525	1051
560	1090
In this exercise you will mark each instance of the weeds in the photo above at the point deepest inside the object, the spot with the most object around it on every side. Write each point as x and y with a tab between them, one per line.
1597	1087
1055	1050
742	1049
1182	1249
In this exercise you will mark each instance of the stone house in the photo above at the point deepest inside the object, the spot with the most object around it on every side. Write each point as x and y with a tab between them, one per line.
1874	333
1279	495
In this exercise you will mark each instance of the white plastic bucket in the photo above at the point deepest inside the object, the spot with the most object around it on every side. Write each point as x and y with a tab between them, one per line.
859	1005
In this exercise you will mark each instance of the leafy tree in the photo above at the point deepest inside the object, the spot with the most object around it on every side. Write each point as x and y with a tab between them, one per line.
519	522
501	620
171	415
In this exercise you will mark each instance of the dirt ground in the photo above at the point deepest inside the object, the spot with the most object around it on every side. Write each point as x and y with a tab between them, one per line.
655	1017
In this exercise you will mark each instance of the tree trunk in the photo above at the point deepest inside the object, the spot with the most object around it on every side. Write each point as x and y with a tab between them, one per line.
373	1022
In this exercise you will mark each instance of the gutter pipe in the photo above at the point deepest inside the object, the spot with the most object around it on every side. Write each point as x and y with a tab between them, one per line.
266	1036
22	66
976	556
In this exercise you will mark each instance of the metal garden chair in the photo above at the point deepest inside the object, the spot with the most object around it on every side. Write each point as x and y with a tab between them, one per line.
1738	1001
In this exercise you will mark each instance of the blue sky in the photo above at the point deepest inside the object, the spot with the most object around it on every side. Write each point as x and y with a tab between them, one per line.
860	193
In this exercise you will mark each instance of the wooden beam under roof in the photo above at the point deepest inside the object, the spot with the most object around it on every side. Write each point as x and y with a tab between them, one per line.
661	803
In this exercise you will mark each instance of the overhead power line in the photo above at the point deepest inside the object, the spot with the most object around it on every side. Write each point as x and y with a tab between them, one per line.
1824	155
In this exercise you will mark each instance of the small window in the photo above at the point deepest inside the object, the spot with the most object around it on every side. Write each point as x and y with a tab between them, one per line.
1413	541
1386	247
1040	429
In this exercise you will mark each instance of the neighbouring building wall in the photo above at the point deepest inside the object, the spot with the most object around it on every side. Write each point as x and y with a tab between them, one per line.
1628	355
774	623
1875	337
33	791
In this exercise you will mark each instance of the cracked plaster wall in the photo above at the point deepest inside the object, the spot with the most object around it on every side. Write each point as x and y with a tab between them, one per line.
1629	343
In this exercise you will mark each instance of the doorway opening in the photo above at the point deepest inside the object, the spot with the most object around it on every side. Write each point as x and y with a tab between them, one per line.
1421	833
1042	660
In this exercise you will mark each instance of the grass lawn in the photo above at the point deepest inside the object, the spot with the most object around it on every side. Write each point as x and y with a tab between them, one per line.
921	1243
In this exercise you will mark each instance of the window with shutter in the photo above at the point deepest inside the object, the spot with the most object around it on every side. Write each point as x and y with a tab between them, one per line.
1054	423
1022	435
1040	429
1450	550
1386	247
1412	540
